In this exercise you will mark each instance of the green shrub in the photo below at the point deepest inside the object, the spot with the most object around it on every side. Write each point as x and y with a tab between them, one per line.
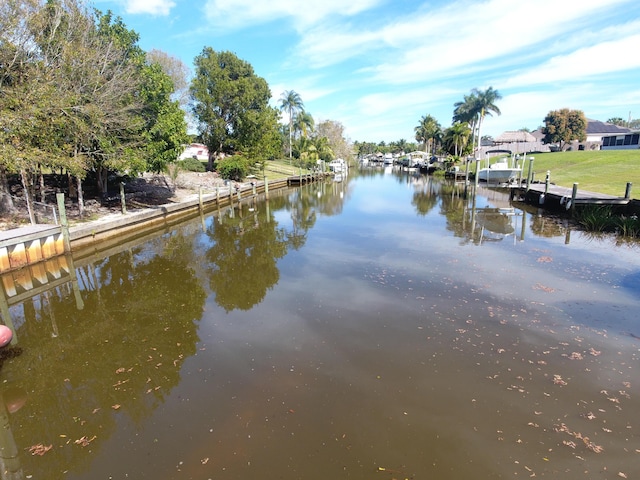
596	218
628	226
191	165
235	167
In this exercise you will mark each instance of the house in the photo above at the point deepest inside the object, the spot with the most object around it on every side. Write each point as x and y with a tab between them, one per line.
624	141
596	130
198	151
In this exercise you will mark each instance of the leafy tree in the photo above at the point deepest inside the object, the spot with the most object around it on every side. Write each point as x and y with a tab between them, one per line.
228	101
260	138
334	133
165	127
563	126
291	102
428	131
617	121
235	167
176	70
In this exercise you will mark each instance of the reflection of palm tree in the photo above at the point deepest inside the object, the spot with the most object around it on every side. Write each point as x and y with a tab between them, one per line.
292	103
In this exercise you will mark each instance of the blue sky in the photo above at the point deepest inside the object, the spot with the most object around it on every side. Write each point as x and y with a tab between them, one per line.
378	66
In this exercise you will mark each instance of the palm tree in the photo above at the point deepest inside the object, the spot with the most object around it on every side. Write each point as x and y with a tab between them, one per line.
458	136
428	131
486	105
474	108
304	123
292	103
466	112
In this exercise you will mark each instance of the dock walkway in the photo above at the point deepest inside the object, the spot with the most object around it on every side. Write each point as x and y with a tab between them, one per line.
557	197
582	196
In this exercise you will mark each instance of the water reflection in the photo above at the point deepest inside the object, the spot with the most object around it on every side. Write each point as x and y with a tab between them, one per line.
386	325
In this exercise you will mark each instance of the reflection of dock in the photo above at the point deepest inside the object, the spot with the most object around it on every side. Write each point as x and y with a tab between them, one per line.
19	285
29	245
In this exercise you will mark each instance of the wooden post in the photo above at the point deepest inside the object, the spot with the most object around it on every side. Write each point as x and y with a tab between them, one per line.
529	177
627	192
253	188
574	194
63	221
200	198
476	176
122	198
266	187
218	196
546	182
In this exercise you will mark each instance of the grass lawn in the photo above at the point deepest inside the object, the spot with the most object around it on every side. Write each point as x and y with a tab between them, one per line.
604	171
276	169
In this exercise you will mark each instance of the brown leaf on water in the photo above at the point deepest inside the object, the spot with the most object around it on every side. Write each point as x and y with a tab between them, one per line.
545	259
85	441
39	449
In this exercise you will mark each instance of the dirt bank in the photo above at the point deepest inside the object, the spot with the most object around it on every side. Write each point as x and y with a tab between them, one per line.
141	192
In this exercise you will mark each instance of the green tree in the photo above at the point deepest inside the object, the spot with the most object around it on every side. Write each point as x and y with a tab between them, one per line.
291	102
427	132
228	99
486	105
456	138
304	124
563	126
333	131
165	126
474	108
618	121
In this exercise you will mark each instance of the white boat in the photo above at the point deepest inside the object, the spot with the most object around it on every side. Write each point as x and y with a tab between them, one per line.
338	165
499	172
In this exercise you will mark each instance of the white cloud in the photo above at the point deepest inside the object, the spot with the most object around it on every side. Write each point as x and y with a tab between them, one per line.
603	58
243	13
438	41
153	7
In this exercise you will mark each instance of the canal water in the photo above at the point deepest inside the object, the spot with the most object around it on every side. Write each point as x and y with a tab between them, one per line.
382	327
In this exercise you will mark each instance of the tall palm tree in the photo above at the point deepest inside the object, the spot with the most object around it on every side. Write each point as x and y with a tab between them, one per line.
486	105
474	108
428	131
466	112
292	103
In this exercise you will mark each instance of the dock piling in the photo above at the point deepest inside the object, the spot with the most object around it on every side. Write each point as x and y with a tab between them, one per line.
123	202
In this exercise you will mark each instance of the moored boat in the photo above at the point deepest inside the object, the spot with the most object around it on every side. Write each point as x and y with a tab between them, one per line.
499	172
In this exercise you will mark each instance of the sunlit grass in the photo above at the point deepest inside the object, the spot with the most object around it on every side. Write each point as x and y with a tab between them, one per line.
594	171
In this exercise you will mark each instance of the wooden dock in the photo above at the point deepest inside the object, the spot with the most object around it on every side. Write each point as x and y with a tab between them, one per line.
563	198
